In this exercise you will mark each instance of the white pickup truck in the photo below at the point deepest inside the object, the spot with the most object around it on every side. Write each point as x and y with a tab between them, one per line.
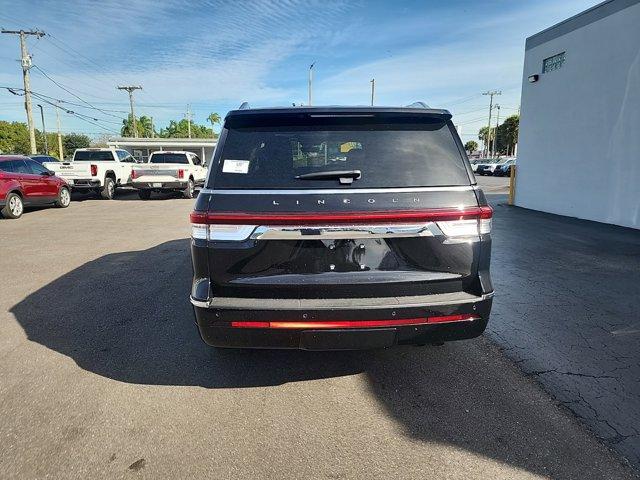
169	172
96	169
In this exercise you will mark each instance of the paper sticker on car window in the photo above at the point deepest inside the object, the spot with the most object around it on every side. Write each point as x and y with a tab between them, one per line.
235	166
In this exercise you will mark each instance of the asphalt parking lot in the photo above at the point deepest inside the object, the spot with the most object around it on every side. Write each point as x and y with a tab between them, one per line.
103	373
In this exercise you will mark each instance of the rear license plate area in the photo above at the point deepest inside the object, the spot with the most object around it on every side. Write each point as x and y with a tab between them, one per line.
156	185
347	339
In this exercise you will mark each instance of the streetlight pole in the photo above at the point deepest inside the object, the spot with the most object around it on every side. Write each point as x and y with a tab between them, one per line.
311	83
495	140
60	151
44	131
373	89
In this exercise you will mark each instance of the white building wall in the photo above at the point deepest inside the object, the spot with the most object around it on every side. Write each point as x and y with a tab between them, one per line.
579	145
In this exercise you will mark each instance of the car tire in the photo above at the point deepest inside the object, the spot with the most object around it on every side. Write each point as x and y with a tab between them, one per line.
190	191
109	189
14	206
144	194
64	198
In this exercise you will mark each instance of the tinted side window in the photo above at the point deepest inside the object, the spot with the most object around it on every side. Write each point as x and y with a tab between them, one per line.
19	166
36	168
196	160
6	167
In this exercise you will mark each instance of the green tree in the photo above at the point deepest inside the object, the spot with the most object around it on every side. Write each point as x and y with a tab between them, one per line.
143	125
507	135
484	136
71	141
471	146
180	129
52	143
14	138
213	118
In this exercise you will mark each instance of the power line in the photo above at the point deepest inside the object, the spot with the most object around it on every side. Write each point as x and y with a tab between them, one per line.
66	48
59	100
91	74
88	60
80	105
471	121
44	99
76	96
80	116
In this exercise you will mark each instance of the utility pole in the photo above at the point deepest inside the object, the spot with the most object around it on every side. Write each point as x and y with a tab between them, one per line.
26	66
60	152
44	131
495	140
373	89
311	83
131	89
491	93
188	116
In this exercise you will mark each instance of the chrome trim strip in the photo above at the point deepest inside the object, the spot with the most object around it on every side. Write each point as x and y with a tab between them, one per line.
336	232
199	303
457	298
462	188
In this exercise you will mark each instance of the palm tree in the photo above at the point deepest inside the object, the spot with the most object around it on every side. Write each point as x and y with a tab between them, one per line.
143	125
213	119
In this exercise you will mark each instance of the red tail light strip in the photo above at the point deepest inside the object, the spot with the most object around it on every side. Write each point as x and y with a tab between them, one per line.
292	325
291	218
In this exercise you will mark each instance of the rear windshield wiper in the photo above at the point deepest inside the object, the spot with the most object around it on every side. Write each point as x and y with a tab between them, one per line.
345	176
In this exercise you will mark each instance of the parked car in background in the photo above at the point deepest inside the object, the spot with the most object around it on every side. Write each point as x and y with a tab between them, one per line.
504	170
25	183
41	159
488	166
100	170
474	163
175	171
325	228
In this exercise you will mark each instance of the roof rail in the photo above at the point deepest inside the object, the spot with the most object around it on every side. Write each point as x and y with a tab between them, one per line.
417	105
244	106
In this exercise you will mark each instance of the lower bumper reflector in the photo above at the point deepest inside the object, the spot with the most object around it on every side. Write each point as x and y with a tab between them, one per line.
293	325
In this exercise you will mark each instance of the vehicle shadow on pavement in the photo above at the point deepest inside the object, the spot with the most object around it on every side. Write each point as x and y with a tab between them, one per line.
126	316
122	194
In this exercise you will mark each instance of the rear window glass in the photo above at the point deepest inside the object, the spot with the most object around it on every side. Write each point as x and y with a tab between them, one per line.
387	155
88	155
169	158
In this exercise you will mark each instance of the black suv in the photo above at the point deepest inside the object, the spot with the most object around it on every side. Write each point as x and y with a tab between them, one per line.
326	228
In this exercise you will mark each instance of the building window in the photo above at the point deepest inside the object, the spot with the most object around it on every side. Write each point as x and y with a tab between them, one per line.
553	63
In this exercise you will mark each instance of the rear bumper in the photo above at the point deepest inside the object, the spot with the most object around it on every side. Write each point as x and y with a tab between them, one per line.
214	319
164	185
82	183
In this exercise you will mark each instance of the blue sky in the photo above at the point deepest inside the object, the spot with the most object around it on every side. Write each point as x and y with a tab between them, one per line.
214	55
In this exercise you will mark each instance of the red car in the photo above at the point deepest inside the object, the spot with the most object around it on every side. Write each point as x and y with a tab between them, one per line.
24	182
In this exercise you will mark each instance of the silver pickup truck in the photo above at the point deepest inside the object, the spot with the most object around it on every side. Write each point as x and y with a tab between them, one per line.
175	171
